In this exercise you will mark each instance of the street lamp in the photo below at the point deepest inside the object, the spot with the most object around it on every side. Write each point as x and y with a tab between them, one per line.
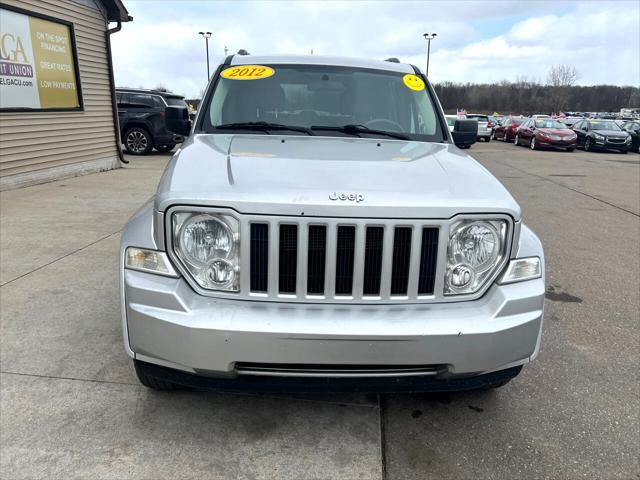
428	37
206	36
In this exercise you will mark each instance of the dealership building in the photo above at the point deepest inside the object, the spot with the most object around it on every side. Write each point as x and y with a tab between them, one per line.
58	116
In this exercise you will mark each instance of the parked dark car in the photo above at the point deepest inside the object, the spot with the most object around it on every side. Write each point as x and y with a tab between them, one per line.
545	132
633	129
596	134
142	120
506	131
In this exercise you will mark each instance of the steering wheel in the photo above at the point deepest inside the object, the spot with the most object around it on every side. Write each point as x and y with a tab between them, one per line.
395	126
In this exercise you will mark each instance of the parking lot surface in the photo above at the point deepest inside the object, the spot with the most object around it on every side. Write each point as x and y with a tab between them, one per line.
71	406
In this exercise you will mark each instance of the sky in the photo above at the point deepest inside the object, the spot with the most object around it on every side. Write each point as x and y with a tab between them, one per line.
478	41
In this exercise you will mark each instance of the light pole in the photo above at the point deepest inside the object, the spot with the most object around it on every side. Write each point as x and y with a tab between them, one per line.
206	36
428	37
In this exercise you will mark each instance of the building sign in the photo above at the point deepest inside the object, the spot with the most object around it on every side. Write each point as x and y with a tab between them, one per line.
38	67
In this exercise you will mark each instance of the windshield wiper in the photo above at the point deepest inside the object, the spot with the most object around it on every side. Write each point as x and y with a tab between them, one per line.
262	127
357	129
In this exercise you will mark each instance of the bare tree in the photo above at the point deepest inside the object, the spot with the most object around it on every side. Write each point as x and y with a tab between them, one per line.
563	75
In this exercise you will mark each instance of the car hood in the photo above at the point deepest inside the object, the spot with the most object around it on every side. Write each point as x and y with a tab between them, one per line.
556	131
611	133
296	175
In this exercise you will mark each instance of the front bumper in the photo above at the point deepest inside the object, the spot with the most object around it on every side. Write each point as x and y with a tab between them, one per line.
608	145
168	324
547	142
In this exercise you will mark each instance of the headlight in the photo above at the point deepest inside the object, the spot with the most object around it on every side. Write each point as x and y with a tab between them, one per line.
476	249
628	139
207	246
597	136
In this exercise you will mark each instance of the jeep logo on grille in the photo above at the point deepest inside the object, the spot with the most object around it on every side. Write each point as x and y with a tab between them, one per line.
351	197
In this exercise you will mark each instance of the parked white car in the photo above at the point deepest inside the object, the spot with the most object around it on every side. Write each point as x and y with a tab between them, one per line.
485	125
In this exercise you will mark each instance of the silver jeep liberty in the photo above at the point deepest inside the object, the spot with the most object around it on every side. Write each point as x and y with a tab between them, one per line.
320	229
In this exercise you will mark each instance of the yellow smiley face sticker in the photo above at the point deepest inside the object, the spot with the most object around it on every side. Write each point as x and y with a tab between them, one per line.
247	72
413	82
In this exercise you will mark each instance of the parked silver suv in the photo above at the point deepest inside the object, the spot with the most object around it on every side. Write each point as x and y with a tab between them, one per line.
320	229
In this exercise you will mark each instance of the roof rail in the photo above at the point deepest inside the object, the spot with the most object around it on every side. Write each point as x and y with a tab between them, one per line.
392	60
242	51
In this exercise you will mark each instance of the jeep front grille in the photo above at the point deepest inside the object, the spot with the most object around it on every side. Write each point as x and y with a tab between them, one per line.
331	260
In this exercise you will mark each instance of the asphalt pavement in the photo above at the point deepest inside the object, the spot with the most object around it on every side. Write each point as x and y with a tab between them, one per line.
71	406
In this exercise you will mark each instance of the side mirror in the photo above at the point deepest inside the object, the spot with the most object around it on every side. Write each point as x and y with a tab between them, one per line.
465	133
178	120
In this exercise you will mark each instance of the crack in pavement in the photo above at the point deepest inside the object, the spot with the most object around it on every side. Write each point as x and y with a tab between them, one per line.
383	449
54	377
60	258
569	188
221	392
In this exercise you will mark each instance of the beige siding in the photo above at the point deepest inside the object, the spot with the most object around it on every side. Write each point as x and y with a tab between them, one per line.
35	142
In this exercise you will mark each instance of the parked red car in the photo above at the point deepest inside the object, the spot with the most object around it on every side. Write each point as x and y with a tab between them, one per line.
539	133
507	131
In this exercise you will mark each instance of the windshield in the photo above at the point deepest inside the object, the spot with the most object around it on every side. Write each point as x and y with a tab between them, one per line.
600	125
175	101
315	96
549	124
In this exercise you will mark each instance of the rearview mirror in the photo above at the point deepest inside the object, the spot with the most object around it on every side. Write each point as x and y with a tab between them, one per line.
178	120
465	133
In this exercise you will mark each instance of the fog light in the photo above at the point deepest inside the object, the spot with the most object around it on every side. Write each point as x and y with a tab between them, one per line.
461	276
220	272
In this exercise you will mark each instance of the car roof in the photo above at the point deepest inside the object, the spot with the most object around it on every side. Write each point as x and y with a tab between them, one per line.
149	91
321	60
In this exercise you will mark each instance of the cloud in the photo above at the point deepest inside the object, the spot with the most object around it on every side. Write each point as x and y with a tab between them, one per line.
477	41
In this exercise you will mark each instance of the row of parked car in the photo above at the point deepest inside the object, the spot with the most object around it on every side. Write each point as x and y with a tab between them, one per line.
542	131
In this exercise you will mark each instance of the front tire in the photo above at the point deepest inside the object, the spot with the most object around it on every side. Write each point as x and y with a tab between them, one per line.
511	373
588	146
151	381
624	151
570	149
516	141
165	148
137	141
533	143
